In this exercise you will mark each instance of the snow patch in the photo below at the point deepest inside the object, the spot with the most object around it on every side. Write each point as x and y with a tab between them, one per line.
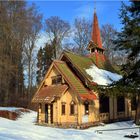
102	77
10	108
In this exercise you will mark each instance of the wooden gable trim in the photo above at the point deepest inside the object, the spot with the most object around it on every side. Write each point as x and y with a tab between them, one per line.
72	87
46	75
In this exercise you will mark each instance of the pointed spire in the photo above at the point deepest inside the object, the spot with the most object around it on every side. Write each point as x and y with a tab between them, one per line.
95	35
94	6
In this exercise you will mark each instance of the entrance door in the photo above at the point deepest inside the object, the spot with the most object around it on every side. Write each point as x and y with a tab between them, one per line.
51	113
46	113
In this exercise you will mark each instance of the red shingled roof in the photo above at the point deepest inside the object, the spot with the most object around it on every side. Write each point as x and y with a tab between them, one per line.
88	97
96	37
49	93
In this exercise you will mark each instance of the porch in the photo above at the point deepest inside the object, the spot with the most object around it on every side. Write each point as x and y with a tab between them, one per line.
115	109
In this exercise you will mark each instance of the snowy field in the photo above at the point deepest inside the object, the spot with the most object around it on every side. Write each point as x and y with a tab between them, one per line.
25	129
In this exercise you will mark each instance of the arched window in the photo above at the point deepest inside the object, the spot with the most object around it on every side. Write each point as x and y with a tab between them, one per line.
86	104
72	108
63	108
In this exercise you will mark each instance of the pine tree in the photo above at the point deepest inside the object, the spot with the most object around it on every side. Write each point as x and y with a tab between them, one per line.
129	40
48	53
39	65
45	57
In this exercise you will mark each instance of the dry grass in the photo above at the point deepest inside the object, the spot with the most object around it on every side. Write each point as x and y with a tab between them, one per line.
13	115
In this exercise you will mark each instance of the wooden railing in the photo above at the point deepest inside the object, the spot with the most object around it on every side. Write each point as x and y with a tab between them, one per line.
121	115
104	116
133	114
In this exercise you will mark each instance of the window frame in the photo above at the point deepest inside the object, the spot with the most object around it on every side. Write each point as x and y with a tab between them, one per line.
120	104
72	108
86	105
63	108
56	79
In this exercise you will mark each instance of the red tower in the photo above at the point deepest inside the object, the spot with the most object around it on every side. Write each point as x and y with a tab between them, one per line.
95	44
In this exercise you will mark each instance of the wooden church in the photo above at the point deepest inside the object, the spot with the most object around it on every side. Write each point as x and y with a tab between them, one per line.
67	97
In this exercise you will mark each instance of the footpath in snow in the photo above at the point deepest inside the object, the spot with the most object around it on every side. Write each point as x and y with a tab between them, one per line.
25	129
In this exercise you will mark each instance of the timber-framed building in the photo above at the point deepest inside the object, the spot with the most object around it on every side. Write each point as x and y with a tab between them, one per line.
66	97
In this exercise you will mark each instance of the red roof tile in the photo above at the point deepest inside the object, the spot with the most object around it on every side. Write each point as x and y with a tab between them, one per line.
96	37
88	96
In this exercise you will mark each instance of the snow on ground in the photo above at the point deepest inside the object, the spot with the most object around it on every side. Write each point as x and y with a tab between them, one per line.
10	108
102	77
25	129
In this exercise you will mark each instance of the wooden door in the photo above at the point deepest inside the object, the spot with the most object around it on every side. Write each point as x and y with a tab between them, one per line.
46	113
51	113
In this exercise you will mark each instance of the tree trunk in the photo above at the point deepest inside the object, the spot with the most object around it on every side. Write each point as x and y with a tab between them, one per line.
29	78
137	118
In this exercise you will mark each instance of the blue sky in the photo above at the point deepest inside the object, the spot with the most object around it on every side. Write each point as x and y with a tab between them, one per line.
107	11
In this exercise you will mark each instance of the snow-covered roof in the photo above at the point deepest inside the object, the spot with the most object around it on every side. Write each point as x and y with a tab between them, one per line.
102	77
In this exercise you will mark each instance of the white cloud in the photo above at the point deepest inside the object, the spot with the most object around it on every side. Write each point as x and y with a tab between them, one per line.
84	11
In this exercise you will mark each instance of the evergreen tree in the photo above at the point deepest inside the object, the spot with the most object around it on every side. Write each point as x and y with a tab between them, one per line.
129	40
39	65
45	57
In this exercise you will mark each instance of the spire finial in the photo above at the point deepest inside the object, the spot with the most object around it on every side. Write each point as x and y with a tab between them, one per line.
94	6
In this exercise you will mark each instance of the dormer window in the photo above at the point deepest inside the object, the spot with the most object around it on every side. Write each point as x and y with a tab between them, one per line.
56	80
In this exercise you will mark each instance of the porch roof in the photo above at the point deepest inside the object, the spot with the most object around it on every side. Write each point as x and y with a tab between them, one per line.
88	97
49	93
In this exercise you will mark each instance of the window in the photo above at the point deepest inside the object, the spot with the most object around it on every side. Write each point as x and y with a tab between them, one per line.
104	103
86	107
63	108
133	103
56	79
120	104
72	111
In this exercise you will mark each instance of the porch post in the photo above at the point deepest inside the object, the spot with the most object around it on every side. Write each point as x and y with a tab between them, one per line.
115	108
111	108
79	114
39	113
49	114
127	107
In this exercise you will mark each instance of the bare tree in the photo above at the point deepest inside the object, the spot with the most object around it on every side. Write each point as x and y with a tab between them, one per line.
12	31
33	29
57	29
109	34
82	34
